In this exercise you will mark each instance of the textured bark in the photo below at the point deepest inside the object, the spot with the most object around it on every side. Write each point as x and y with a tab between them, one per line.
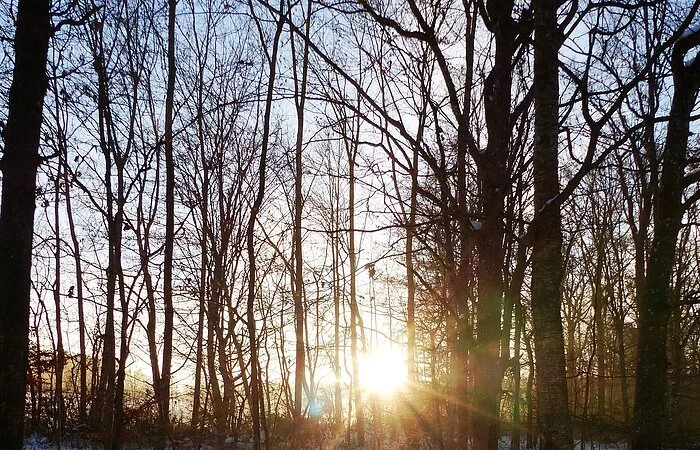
547	264
493	180
653	305
19	165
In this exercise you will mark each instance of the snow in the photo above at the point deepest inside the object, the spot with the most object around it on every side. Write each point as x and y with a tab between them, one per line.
37	442
692	29
547	203
504	443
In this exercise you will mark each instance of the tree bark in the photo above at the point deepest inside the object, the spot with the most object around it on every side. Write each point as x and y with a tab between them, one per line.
163	396
19	165
653	305
547	261
493	181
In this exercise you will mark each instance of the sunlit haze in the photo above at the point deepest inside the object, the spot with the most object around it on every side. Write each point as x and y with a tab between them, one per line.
383	372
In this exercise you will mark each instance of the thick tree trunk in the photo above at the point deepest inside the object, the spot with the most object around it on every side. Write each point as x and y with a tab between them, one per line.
653	305
19	165
493	181
547	264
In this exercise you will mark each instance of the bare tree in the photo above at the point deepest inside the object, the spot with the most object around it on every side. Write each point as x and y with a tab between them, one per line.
650	389
19	166
254	397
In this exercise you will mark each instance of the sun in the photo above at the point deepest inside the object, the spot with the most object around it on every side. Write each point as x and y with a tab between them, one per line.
383	372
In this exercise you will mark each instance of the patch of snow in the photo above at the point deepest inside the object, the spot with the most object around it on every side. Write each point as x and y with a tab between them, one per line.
692	29
38	442
547	203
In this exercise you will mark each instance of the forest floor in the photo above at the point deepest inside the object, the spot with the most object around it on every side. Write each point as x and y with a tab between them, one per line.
38	442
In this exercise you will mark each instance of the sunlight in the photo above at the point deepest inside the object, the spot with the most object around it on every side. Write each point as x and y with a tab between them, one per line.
383	372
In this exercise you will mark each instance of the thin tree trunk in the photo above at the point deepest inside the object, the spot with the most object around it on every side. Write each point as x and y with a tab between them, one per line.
82	403
299	313
115	439
59	357
163	396
102	412
204	262
410	276
335	249
351	150
529	397
517	419
254	398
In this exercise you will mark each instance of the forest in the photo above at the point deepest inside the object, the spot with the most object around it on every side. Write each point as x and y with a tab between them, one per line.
328	224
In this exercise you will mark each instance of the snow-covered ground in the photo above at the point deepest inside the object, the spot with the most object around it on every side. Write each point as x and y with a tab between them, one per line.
37	442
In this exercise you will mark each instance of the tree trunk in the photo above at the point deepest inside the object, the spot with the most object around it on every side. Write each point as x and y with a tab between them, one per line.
650	389
254	398
103	405
116	436
298	294
59	356
410	277
493	182
335	249
354	310
163	395
547	270
19	165
82	403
